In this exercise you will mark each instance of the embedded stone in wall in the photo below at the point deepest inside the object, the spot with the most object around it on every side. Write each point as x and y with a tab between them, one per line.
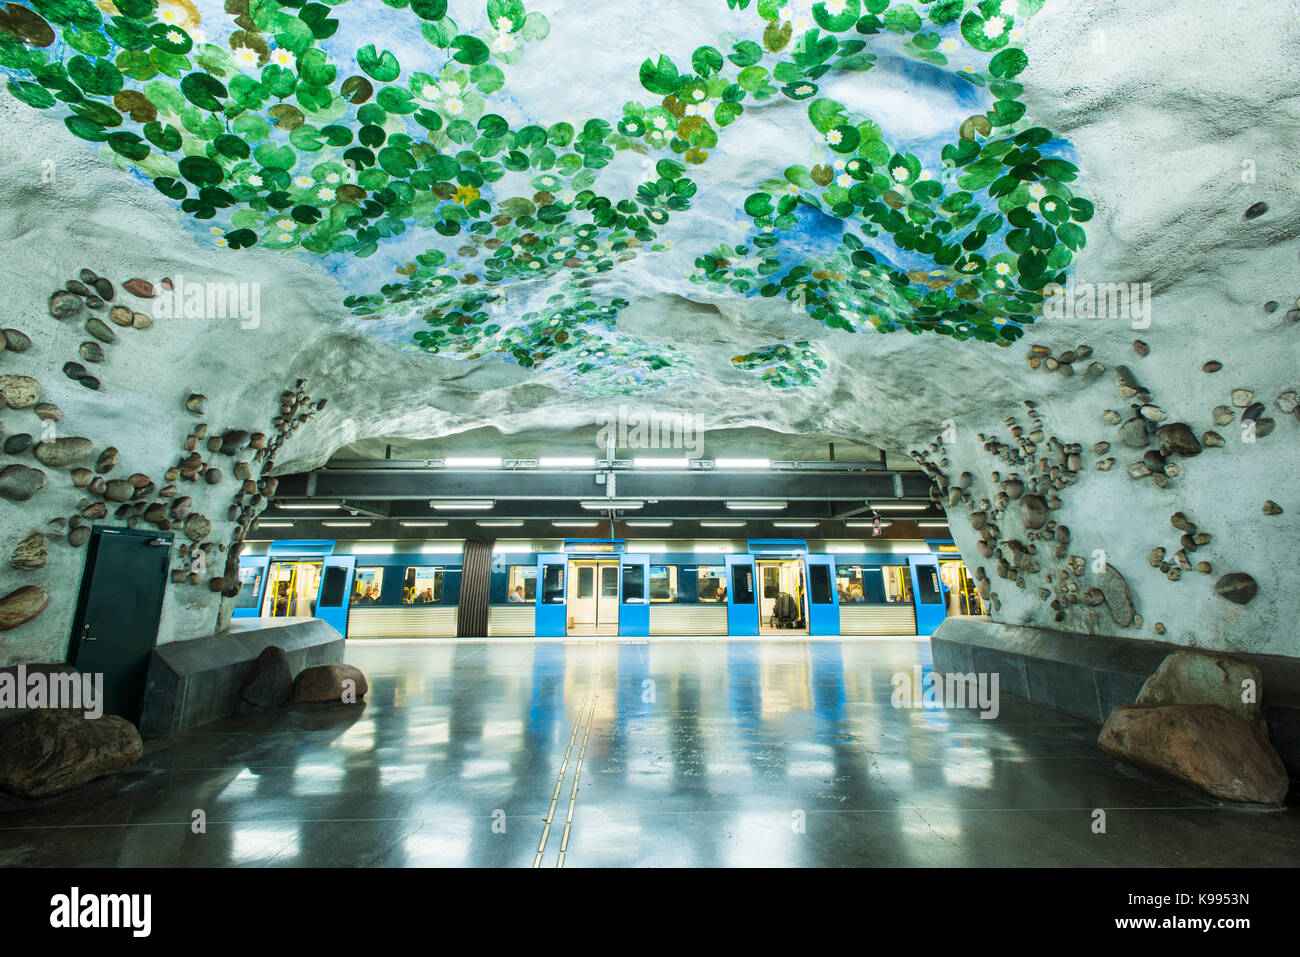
22	605
62	452
18	483
1237	587
19	391
30	554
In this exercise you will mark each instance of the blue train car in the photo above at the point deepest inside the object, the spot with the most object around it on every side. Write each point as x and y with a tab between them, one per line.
586	587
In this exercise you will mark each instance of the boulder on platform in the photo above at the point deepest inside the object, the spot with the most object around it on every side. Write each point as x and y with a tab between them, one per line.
340	684
1202	745
269	684
1195	677
46	751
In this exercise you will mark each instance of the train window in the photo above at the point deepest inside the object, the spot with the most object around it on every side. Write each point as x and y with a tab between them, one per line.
250	579
553	584
367	583
663	582
742	584
332	587
521	585
712	580
898	585
819	584
771	581
422	585
850	584
927	578
633	584
586	581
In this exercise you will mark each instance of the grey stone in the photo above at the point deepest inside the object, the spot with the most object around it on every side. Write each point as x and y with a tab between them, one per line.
18	483
1194	677
269	684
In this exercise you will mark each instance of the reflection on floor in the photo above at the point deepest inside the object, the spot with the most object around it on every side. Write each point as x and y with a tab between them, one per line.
684	753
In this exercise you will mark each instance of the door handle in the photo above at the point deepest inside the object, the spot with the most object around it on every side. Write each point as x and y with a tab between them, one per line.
85	633
159	542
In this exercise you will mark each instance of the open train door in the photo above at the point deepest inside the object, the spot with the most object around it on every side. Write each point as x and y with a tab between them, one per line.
742	610
927	593
823	602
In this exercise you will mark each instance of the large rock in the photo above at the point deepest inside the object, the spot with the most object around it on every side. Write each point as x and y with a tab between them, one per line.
46	751
269	684
1203	745
330	683
20	391
1194	677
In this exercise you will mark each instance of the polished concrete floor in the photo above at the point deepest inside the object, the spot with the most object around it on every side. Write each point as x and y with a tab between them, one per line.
667	753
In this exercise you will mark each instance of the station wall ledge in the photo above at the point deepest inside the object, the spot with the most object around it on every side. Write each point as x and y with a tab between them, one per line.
1090	675
192	682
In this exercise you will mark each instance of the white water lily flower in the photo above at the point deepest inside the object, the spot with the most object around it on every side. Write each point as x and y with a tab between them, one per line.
302	182
325	193
285	224
900	173
844	179
505	24
284	58
254	180
454	105
245	57
1037	190
994	26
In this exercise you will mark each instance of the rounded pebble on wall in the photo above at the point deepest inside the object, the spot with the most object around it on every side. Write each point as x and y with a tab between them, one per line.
89	381
91	351
1213	365
104	288
1255	210
74	370
1272	508
100	330
120	315
78	536
16	340
65	305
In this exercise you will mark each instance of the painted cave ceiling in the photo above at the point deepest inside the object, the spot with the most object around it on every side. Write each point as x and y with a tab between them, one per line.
505	179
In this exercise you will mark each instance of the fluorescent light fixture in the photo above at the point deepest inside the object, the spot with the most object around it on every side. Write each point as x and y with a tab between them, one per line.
707	523
566	461
711	547
900	508
654	462
422	524
575	524
452	504
604	503
742	463
471	462
931	524
795	524
648	523
657	548
885	523
766	504
307	505
841	549
511	549
272	524
500	522
373	550
445	548
347	524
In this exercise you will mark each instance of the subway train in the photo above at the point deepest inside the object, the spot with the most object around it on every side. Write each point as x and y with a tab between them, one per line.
609	588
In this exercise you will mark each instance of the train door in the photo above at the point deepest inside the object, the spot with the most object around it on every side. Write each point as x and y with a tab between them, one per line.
928	592
252	577
592	598
551	607
782	597
823	602
742	614
291	589
962	595
634	615
335	590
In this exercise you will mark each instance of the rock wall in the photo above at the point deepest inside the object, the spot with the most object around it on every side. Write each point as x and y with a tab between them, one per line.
1187	145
